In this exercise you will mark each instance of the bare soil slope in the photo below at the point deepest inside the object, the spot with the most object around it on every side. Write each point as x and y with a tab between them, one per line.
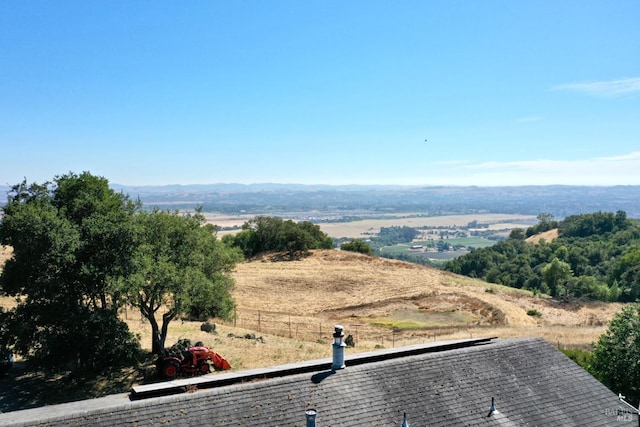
548	236
412	301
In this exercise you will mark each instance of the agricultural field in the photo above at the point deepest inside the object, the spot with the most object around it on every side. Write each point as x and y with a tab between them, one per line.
441	237
437	251
363	228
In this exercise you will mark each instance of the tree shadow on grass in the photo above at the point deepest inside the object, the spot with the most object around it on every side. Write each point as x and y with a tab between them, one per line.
24	388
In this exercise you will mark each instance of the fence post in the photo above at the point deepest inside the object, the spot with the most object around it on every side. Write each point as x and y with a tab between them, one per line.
259	330
289	326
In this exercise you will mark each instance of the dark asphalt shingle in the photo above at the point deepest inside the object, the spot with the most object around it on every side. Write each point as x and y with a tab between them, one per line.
532	382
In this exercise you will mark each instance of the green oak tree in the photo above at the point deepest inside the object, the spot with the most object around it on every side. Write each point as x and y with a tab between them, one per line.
556	274
627	274
181	267
357	245
71	239
273	234
616	357
81	251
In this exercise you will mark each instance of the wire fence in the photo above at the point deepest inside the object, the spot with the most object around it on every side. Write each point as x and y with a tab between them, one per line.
307	329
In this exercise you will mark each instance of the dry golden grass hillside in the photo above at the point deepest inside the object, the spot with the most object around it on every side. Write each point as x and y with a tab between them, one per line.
548	236
408	302
287	310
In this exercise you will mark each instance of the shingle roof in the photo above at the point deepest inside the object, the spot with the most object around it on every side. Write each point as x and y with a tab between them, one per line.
532	382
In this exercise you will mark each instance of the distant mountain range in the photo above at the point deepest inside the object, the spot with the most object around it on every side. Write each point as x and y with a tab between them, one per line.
559	200
240	188
270	198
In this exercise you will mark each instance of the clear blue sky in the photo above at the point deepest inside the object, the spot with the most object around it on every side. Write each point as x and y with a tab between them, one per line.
321	92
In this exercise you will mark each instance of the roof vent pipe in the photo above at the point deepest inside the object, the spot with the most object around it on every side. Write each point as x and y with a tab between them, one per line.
311	417
405	423
492	408
338	348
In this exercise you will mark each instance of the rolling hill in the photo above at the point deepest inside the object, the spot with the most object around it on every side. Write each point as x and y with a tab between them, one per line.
412	302
381	301
287	309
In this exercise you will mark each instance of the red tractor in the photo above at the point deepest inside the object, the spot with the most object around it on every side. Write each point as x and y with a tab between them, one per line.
194	360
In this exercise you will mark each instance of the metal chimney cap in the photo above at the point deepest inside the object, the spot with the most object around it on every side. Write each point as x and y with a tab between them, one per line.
311	417
338	330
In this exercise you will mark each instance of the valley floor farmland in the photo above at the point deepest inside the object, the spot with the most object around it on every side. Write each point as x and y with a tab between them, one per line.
365	227
360	229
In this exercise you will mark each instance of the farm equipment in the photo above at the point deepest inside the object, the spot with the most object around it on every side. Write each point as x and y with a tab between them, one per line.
193	360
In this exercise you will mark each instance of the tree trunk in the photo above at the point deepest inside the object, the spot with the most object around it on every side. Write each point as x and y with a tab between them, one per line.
158	336
157	340
166	319
146	307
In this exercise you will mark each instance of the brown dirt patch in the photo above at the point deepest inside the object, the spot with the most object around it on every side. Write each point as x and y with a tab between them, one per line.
548	236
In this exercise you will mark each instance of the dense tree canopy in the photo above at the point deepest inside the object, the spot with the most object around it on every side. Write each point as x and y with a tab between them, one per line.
178	265
393	235
71	239
545	223
357	245
81	251
273	234
596	255
616	356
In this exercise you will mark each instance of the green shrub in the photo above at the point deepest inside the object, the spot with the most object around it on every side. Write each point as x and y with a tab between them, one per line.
581	357
357	246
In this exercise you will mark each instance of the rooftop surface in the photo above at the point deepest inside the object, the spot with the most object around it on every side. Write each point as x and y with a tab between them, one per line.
440	384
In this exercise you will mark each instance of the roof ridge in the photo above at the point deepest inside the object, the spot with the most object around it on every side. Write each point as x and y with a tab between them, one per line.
219	380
